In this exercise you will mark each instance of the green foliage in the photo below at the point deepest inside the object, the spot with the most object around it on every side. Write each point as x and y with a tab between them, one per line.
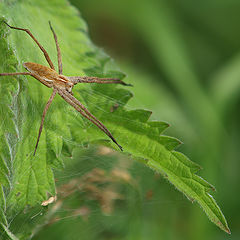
26	180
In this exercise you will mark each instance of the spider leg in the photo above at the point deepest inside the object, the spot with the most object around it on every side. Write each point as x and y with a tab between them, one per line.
43	117
84	112
73	99
58	50
36	41
86	79
16	73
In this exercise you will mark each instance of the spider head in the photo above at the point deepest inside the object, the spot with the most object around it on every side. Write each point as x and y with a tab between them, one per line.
69	86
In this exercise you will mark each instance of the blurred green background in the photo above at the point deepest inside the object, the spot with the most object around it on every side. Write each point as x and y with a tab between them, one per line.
183	58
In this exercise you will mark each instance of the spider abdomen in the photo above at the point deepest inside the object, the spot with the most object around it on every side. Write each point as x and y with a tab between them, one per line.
47	76
41	71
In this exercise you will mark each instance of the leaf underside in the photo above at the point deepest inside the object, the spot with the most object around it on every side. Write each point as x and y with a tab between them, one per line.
28	180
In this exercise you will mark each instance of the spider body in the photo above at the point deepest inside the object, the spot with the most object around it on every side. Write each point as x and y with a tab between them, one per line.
61	84
48	76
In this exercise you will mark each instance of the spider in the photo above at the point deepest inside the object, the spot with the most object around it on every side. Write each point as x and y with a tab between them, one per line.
61	84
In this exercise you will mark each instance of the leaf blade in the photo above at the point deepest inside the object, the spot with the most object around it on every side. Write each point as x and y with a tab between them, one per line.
32	178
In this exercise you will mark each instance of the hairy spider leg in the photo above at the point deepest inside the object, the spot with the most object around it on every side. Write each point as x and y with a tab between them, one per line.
82	110
59	56
85	79
36	41
16	73
43	117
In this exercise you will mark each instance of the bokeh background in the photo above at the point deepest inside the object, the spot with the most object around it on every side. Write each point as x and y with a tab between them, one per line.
183	58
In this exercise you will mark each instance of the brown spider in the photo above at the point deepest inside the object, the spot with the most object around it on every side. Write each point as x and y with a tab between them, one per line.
61	84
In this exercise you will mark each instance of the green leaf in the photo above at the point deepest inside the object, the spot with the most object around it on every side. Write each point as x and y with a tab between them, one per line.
9	234
28	180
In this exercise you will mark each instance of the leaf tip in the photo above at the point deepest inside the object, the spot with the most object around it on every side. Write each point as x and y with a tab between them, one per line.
224	228
228	231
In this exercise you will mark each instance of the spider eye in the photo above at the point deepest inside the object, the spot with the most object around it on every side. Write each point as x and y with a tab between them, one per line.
69	87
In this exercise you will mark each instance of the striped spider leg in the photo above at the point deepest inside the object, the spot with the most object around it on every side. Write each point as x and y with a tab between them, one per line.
61	84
